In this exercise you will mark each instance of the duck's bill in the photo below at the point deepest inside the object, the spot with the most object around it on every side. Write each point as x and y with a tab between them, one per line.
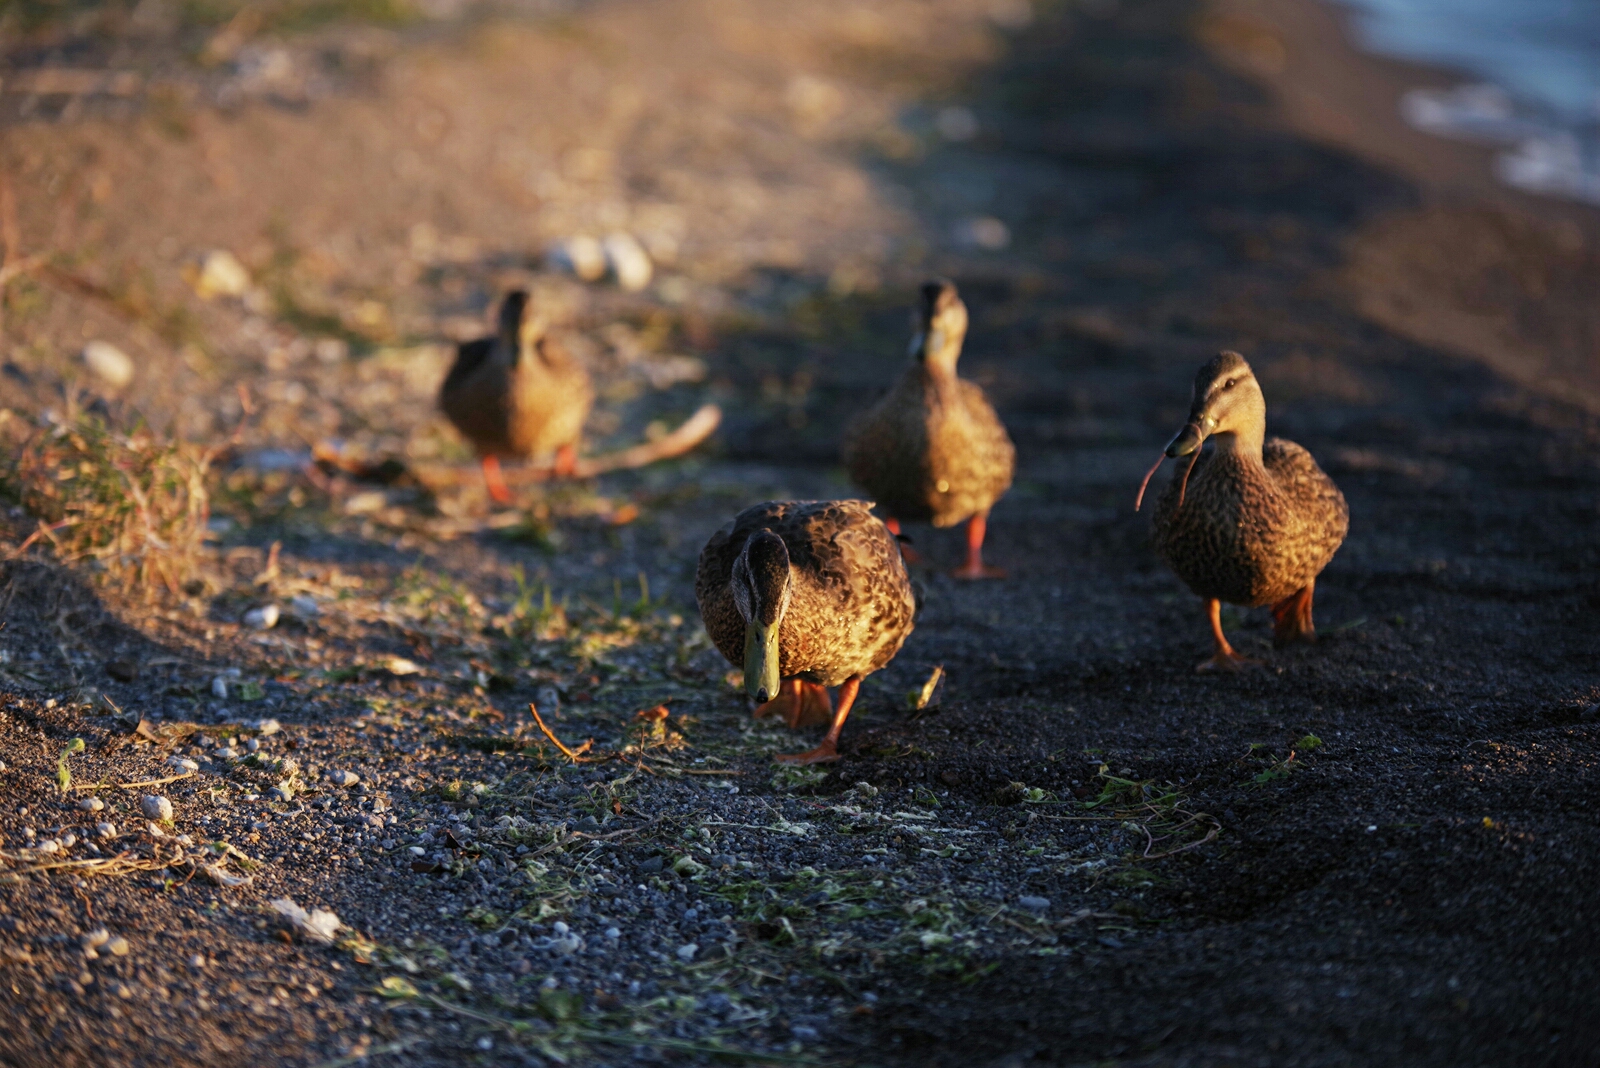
761	661
1190	438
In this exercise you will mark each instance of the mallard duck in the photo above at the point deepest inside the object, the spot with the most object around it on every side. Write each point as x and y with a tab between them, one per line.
933	449
1252	522
805	595
517	394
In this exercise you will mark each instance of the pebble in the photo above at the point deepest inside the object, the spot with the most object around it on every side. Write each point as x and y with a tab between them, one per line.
305	607
197	961
156	807
219	687
94	939
69	840
263	618
91	804
227	752
49	845
343	778
686	953
652	864
629	261
221	275
118	947
281	792
108	363
266	728
183	763
1034	904
613	933
724	860
106	830
583	256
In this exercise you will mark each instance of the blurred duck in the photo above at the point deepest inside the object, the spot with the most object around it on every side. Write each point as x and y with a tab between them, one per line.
805	595
933	449
1252	522
517	394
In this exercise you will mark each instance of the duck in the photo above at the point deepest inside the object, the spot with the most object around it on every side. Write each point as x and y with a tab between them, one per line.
805	595
933	450
1253	520
517	394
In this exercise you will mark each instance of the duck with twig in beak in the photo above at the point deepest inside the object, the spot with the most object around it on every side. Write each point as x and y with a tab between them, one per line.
805	595
1252	520
518	394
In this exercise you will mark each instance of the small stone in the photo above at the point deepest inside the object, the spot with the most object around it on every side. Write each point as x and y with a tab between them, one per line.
105	830
266	728
583	256
263	618
197	961
227	752
724	860
686	953
219	687
49	845
183	763
221	275
652	864
588	825
69	840
122	670
118	947
629	261
486	1043
156	807
305	607
560	928
108	363
343	778
282	792
94	939
613	933
91	804
1034	904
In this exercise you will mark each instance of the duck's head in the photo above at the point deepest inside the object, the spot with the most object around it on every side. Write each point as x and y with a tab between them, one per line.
1227	405
520	325
762	584
941	325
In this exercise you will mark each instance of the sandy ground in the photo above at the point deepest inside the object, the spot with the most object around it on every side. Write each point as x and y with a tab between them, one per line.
1378	851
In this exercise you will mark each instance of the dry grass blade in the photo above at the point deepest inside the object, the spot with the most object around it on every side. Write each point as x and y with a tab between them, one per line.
574	755
121	864
134	504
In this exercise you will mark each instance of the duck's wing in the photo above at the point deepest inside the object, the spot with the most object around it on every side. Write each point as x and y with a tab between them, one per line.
1318	514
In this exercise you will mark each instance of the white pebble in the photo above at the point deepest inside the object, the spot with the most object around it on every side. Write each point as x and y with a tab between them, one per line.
1034	904
91	804
583	256
106	830
108	363
227	752
221	275
118	947
343	778
156	807
49	845
219	687
266	728
686	953
613	933
94	939
560	928
263	618
629	261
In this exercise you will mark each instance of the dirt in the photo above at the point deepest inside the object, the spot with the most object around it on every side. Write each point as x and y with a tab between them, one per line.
1378	850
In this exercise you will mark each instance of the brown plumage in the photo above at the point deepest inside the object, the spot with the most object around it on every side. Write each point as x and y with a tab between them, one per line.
933	450
835	590
517	394
1251	522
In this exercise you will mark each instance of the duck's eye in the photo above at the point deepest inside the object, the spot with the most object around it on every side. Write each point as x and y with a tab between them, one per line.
1229	384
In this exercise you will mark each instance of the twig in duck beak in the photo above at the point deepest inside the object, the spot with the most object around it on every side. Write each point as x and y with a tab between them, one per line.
1148	475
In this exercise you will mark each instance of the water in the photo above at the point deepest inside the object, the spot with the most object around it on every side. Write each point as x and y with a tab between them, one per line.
1535	88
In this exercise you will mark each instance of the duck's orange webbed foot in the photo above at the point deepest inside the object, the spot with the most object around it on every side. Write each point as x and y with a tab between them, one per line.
907	553
799	704
1291	618
495	480
828	751
566	462
974	568
1224	660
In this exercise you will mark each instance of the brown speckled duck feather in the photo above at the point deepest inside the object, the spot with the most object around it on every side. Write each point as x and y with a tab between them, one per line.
1251	532
932	449
852	603
519	393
